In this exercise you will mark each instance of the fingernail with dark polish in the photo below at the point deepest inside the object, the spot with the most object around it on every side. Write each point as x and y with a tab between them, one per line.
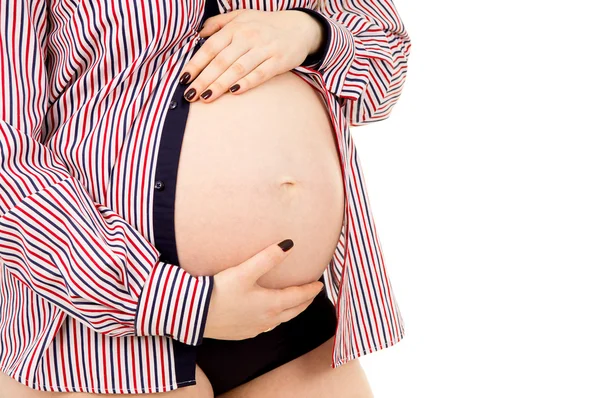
286	244
206	94
184	78
190	94
234	88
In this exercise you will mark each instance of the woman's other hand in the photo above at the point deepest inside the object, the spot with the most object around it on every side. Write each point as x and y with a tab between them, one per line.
246	48
239	308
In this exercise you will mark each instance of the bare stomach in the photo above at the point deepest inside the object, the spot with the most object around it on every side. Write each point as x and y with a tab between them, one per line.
257	168
254	169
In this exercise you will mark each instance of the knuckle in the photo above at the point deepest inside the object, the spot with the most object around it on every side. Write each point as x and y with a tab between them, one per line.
260	74
278	60
192	65
273	311
217	87
238	68
232	25
251	32
220	62
247	82
275	54
197	84
209	49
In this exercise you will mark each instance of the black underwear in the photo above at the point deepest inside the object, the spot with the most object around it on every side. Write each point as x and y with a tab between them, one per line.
230	363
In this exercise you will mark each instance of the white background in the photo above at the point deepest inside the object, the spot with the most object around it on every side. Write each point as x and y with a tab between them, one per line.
485	188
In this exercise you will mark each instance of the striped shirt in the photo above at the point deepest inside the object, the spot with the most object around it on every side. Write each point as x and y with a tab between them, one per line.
87	301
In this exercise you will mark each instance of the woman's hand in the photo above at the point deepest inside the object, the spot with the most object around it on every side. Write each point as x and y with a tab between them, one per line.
246	48
239	308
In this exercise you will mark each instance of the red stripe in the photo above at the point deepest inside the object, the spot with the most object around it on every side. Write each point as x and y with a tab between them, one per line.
92	367
363	212
364	322
82	119
75	345
177	291
134	367
118	359
189	315
143	306
160	307
146	345
106	363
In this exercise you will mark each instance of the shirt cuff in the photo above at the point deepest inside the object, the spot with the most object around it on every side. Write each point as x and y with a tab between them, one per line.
339	57
174	303
315	60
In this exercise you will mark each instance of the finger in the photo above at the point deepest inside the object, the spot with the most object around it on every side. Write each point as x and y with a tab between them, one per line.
263	261
236	71
217	22
291	296
208	50
293	312
259	75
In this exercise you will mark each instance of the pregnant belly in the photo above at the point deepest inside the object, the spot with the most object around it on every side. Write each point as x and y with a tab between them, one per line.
254	169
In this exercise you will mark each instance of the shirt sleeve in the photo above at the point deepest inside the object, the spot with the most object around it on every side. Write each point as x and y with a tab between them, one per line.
365	54
74	252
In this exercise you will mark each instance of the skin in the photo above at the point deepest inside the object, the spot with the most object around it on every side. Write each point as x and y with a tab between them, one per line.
248	47
238	32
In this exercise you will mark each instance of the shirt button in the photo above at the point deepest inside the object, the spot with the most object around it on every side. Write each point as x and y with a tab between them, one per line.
172	104
159	185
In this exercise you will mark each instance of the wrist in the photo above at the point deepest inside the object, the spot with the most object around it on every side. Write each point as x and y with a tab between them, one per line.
316	32
318	40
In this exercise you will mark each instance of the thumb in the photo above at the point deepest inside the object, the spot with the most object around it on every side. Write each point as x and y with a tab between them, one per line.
216	22
263	261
